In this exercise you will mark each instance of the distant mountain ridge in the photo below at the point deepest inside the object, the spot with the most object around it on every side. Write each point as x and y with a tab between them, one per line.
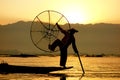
91	39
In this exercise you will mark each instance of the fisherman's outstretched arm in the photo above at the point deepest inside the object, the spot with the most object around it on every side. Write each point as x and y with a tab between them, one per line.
62	30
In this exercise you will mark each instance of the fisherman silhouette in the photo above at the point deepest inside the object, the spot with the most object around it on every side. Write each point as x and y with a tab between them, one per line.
64	44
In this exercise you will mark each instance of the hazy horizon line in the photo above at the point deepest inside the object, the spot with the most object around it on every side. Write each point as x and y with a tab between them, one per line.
70	23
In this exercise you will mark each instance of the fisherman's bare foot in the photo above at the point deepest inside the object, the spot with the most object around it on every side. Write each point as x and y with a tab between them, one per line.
63	67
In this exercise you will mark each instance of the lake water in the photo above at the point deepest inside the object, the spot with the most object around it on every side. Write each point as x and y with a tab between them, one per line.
96	68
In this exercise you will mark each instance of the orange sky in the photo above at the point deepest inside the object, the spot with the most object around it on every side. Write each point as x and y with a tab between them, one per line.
76	11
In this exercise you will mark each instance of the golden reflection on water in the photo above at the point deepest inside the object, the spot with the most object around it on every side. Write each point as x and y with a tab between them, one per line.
105	68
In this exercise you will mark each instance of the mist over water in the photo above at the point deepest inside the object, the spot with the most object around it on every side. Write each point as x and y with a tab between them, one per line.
102	68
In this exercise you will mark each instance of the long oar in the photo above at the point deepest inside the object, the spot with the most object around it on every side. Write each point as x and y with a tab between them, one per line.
81	63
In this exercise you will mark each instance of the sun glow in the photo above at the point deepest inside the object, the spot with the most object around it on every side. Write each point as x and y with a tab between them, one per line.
76	11
75	15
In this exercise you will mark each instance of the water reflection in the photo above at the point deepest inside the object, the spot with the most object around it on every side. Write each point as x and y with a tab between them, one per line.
63	77
81	76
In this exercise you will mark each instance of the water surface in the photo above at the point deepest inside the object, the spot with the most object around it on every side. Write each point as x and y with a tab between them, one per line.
96	68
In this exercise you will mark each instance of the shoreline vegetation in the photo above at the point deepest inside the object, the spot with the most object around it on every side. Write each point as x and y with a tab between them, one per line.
16	53
56	54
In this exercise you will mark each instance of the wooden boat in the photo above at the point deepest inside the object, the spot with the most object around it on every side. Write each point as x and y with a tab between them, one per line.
6	68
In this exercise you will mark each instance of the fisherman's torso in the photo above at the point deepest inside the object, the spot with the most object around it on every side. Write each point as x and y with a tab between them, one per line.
67	39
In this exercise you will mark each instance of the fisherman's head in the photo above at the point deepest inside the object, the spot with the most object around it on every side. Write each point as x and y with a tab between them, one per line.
72	31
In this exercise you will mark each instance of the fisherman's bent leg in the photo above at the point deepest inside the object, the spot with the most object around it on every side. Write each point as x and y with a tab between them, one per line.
54	44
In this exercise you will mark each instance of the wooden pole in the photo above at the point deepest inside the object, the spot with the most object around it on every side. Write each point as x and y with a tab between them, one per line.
81	63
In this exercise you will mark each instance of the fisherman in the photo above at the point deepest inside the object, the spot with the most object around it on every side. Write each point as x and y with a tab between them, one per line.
64	44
